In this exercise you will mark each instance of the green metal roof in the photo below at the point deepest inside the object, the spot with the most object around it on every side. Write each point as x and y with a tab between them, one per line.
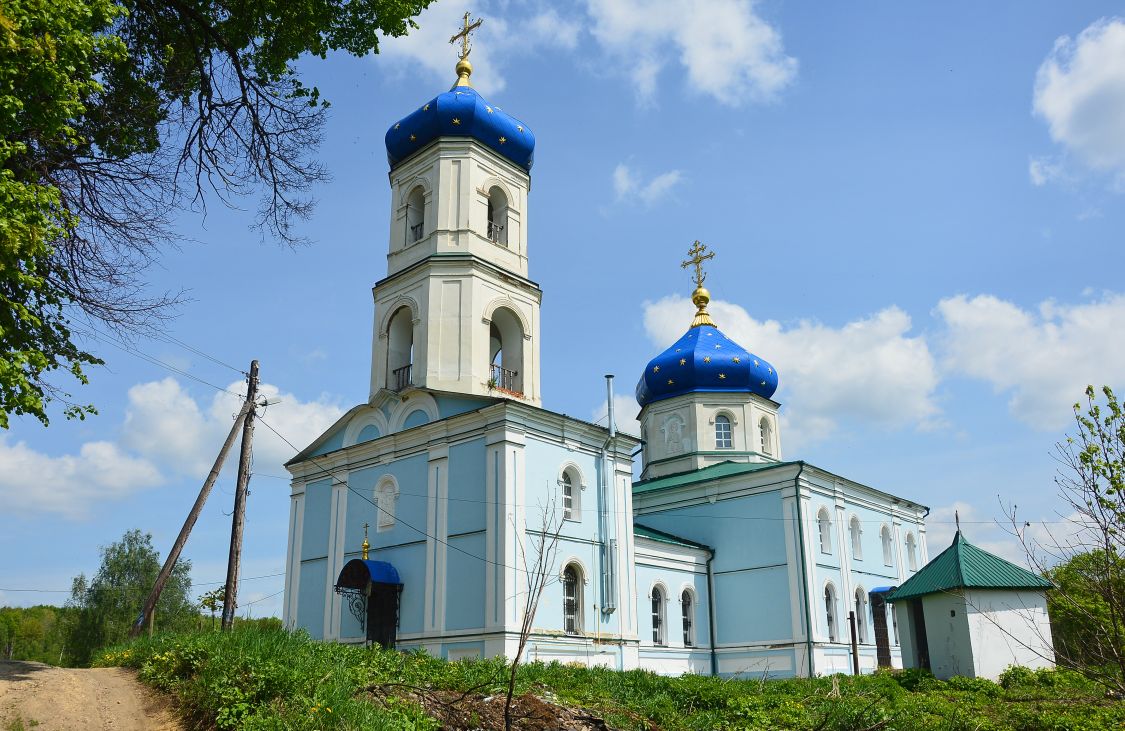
714	472
964	566
658	535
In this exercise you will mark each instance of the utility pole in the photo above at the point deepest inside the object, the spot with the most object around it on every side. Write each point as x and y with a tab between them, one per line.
189	523
230	596
855	643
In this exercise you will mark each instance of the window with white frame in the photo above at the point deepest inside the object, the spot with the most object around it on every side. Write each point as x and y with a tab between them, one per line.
572	600
857	538
386	494
657	616
888	546
570	489
830	612
724	439
765	436
824	526
861	616
687	613
911	552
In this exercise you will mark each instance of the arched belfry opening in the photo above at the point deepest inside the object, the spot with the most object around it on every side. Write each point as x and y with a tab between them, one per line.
400	349
415	215
505	349
497	216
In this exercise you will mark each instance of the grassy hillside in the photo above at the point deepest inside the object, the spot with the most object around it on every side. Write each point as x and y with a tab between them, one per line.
260	679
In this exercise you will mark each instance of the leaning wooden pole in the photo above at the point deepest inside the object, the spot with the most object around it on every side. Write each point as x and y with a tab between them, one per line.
234	562
189	523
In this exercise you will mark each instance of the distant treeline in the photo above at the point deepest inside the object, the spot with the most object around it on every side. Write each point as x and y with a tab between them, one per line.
102	609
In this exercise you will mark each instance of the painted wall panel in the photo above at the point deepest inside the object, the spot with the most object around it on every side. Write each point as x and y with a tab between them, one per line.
318	501
310	597
464	607
753	606
467	499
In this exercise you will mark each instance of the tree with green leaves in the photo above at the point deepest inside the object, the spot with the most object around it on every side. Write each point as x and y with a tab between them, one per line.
212	601
1085	560
115	114
105	607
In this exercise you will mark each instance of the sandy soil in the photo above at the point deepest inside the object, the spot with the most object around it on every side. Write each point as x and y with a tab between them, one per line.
45	698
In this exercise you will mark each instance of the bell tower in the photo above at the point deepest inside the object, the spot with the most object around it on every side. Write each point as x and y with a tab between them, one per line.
456	311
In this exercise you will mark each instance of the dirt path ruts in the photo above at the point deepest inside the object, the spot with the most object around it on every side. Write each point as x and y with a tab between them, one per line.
45	698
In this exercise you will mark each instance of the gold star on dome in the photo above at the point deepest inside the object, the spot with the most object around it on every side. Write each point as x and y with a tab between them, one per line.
503	140
770	370
677	350
709	334
706	359
426	108
412	138
763	383
488	109
656	369
671	382
718	345
756	362
519	127
722	376
737	359
396	125
456	120
683	361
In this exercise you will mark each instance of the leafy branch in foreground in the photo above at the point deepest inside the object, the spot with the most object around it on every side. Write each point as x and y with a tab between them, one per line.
114	114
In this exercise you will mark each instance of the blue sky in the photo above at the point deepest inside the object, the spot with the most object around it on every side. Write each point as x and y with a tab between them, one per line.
916	213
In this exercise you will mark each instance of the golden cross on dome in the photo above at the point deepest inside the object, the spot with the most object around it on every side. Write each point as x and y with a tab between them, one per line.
464	33
697	258
366	546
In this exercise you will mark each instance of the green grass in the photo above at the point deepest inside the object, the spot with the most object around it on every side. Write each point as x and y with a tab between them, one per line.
265	679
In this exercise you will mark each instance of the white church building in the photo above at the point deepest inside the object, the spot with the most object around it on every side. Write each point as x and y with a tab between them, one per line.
411	516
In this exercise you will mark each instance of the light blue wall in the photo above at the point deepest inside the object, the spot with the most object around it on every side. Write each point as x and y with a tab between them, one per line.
467	498
675	581
334	442
453	405
314	538
310	597
415	418
748	534
410	508
465	578
368	433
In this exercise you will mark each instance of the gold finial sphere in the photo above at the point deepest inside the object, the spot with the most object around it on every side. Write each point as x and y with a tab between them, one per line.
464	70
700	297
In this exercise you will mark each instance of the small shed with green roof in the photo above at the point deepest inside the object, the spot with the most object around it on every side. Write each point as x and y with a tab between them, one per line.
969	612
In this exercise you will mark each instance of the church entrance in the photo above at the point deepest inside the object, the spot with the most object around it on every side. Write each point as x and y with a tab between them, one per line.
372	590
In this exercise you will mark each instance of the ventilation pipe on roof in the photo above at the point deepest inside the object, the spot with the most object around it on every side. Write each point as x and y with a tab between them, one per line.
607	513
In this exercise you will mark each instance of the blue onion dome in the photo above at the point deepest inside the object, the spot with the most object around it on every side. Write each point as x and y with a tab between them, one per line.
461	112
705	360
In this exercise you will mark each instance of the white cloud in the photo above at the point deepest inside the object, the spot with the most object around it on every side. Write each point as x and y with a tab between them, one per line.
1043	170
1043	358
69	484
870	370
1080	93
628	185
728	51
993	533
165	432
501	37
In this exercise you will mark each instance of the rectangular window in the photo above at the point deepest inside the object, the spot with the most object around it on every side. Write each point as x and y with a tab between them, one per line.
657	619
570	607
723	439
686	606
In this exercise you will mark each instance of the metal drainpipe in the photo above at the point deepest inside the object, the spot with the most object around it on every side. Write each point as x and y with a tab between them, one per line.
711	613
804	565
609	560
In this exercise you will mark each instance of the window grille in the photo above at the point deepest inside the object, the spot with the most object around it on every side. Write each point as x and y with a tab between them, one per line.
723	437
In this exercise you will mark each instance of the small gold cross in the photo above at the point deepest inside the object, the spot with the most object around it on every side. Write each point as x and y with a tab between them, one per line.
698	256
463	35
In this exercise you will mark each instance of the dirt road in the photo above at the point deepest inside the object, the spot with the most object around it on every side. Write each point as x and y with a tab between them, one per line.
45	698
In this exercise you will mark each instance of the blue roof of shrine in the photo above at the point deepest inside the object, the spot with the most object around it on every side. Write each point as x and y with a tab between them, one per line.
705	360
461	112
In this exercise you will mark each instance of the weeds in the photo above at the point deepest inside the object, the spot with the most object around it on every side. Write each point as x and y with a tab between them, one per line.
266	679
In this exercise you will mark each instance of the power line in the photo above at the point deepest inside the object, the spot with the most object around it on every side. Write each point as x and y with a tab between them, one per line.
171	339
593	511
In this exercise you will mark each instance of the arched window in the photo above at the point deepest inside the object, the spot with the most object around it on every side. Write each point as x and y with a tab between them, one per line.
723	437
830	612
657	616
497	216
861	616
572	600
506	352
687	611
885	537
386	494
400	349
911	552
415	215
857	538
894	620
824	526
570	486
765	436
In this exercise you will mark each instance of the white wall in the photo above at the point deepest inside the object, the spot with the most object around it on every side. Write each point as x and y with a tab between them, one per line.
947	631
1008	628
